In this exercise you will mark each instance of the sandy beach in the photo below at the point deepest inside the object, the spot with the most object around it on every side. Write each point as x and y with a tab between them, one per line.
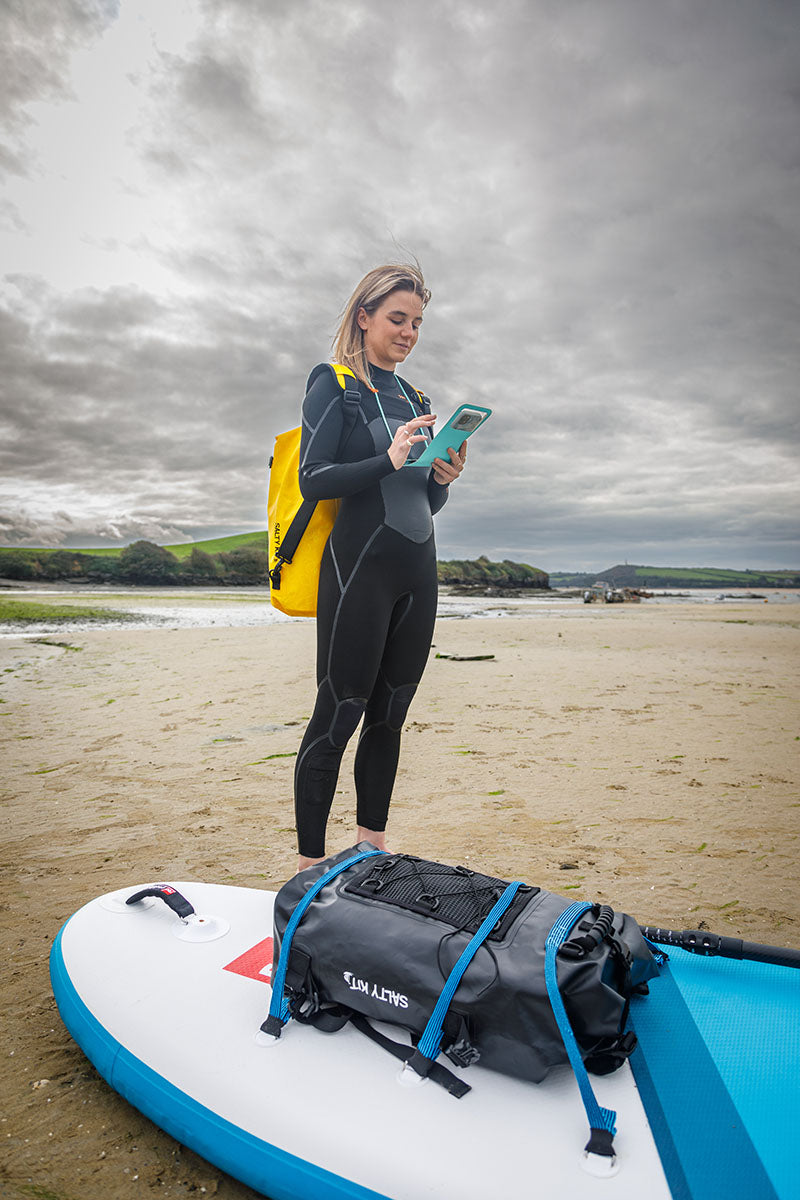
643	755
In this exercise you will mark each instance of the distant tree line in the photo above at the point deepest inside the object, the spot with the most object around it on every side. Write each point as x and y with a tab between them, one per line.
484	574
141	562
145	563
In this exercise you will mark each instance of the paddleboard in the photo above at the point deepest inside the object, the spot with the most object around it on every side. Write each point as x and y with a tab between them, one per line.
169	1009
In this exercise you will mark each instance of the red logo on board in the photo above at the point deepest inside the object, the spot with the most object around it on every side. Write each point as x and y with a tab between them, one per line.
255	963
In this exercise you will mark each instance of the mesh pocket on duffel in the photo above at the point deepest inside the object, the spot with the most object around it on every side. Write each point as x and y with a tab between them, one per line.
455	895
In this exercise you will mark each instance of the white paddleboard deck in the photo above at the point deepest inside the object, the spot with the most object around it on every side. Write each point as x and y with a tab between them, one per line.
170	1012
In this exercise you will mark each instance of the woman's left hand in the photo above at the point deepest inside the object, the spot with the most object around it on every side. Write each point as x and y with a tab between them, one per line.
445	472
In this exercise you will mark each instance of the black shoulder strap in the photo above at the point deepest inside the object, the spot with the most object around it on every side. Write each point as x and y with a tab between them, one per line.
351	397
351	403
291	540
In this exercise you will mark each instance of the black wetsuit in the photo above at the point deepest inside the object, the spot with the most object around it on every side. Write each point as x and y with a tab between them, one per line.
377	596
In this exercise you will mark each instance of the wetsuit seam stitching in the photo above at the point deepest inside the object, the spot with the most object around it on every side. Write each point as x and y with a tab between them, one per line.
316	428
385	721
409	605
322	738
338	575
351	577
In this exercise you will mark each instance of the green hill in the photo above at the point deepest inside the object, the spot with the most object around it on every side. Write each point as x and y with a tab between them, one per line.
221	545
229	561
630	575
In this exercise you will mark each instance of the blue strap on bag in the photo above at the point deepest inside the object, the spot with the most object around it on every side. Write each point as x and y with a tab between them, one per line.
429	1043
602	1121
279	1007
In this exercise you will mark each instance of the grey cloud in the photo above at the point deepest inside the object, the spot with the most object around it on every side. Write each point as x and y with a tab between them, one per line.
20	528
220	90
601	196
113	311
112	403
37	38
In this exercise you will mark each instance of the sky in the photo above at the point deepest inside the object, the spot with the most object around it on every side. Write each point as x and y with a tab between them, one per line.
602	194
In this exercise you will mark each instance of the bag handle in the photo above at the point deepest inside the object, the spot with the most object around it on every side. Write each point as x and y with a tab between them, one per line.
581	945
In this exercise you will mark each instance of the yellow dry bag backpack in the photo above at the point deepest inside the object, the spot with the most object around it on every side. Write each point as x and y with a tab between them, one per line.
298	528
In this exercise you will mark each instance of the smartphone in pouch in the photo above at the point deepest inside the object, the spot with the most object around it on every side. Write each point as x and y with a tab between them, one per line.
463	423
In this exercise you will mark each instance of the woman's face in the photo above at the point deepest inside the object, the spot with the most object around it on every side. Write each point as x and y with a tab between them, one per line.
391	332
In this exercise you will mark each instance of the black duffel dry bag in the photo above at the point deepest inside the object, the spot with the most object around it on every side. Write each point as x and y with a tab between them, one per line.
472	967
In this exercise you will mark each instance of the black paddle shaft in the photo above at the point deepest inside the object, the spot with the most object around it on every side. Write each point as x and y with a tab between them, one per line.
718	945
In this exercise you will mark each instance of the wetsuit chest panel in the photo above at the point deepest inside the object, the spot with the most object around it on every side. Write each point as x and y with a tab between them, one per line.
358	471
405	492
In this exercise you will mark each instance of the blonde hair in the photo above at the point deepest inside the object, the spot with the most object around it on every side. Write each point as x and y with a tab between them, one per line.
348	344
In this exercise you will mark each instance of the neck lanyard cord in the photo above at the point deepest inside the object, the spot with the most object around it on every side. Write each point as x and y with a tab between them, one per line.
383	414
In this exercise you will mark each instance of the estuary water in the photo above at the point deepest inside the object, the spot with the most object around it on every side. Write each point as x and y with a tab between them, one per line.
203	608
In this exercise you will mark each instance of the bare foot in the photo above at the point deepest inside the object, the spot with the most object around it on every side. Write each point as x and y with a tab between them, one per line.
377	837
303	862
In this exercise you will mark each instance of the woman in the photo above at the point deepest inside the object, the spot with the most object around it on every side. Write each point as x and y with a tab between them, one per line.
377	588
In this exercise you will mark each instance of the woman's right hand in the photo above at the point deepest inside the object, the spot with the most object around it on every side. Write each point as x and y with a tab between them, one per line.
405	437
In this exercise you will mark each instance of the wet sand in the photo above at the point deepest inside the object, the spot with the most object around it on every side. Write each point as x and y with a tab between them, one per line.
643	755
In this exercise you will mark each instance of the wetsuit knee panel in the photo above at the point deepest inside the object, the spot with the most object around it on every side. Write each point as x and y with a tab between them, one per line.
399	703
345	719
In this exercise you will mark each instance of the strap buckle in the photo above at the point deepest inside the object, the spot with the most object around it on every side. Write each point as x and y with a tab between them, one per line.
463	1053
275	573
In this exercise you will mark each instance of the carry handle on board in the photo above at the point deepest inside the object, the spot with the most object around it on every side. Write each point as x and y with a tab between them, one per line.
698	941
170	895
190	926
